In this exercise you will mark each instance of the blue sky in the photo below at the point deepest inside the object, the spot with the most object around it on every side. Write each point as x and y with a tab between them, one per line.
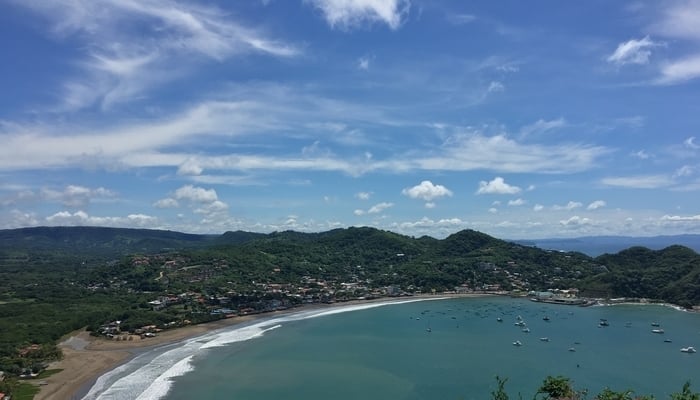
518	119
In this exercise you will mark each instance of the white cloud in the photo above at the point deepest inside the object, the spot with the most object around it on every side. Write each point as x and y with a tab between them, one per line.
475	151
363	63
678	218
378	208
571	205
680	20
131	46
495	87
516	202
348	14
690	143
596	205
684	171
641	154
576	221
166	203
541	126
633	52
680	71
493	210
75	195
427	191
190	167
81	218
363	195
216	207
638	182
538	207
359	212
196	194
497	186
430	205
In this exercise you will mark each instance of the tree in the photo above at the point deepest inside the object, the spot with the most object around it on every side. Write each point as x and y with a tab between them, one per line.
557	388
500	393
685	394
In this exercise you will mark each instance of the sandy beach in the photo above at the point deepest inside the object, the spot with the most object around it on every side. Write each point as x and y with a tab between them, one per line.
86	357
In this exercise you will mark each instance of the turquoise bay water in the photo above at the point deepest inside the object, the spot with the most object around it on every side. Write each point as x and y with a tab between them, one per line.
388	353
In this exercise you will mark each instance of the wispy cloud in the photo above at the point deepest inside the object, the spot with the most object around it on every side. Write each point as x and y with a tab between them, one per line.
638	182
633	52
542	126
679	71
132	46
379	207
349	14
571	205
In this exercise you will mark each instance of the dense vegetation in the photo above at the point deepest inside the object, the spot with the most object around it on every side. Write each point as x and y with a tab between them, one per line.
561	388
56	280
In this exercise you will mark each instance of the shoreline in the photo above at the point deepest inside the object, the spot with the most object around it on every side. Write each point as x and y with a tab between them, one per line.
86	358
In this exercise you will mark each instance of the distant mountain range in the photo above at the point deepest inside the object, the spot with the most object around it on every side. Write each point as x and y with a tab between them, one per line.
597	245
119	241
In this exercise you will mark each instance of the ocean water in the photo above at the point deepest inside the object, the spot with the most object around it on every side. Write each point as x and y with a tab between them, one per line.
438	349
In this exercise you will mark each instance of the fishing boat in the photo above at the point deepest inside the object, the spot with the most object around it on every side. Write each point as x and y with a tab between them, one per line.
689	349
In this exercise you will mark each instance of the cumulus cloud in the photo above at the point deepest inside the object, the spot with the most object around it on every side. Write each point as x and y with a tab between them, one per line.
576	221
538	207
427	191
596	205
497	186
430	204
81	218
633	52
348	14
571	205
196	194
166	203
493	210
516	202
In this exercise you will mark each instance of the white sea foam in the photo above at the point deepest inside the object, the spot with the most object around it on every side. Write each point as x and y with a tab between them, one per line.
150	375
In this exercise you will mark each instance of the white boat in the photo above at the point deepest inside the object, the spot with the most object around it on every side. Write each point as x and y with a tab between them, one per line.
571	349
657	331
544	339
517	343
689	349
